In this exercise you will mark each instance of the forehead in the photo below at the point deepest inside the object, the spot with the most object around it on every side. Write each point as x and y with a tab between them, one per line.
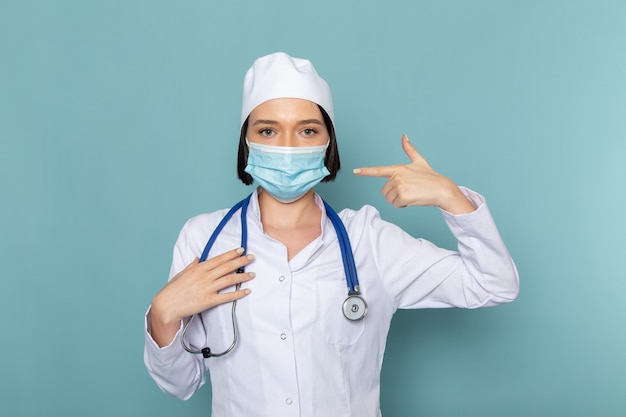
286	108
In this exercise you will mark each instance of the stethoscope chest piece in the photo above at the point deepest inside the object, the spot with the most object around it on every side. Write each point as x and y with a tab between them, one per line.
355	307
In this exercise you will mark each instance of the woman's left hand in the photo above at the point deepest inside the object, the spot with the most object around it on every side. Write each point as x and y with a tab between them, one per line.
417	184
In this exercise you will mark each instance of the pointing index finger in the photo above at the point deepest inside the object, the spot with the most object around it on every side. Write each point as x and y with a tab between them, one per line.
379	171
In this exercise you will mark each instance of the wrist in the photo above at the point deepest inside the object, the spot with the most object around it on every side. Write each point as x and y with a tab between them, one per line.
453	200
162	330
160	314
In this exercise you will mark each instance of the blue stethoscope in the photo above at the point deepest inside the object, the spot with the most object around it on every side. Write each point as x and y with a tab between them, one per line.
354	307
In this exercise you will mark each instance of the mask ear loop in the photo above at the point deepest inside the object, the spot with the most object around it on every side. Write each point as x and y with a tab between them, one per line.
243	205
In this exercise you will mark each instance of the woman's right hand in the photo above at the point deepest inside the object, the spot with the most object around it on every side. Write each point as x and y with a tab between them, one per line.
197	288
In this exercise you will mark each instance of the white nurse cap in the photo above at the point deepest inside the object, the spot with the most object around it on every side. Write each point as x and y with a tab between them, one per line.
280	76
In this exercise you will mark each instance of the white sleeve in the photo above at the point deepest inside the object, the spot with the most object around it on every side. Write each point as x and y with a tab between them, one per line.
174	370
418	274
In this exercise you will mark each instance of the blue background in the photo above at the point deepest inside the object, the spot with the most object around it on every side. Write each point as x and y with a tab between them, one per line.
119	120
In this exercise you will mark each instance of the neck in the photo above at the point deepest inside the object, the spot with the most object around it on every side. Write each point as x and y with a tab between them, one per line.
276	214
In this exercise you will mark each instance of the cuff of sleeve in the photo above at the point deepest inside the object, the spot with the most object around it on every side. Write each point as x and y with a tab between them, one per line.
476	199
460	223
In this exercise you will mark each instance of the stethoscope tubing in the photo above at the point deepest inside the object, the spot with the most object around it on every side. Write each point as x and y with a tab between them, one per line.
344	244
349	266
243	205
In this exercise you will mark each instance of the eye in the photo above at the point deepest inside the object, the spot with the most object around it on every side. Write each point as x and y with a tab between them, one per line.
266	132
309	131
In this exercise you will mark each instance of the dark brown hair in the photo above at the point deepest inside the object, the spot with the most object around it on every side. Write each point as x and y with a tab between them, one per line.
331	160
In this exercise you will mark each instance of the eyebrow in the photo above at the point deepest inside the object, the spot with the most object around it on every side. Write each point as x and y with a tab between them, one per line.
274	122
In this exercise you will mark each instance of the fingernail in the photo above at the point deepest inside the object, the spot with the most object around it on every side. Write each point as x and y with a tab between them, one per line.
239	251
356	170
250	257
247	291
251	274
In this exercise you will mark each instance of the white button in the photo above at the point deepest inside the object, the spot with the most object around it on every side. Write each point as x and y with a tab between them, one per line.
283	336
289	401
281	278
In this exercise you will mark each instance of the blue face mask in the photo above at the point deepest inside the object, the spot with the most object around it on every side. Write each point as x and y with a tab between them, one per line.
286	172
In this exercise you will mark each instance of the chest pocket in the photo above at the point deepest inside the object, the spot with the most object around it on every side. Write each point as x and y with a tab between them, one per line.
333	325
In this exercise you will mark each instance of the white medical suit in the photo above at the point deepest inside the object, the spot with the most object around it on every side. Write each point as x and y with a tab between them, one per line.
297	354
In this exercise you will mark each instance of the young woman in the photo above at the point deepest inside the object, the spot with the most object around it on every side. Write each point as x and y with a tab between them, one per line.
298	344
